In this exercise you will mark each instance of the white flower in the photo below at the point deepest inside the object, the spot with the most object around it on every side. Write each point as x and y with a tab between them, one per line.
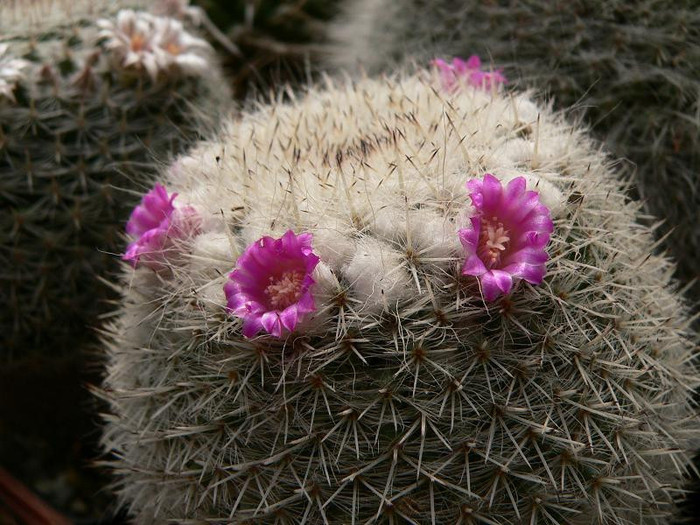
130	39
155	44
175	46
10	72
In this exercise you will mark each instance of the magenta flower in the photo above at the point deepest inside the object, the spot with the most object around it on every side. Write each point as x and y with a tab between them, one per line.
156	223
468	72
507	237
270	289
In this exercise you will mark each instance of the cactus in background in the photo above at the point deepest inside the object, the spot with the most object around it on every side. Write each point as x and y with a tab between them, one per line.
89	98
382	386
275	42
630	66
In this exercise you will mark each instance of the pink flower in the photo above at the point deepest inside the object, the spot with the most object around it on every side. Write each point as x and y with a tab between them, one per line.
156	223
469	72
270	289
507	237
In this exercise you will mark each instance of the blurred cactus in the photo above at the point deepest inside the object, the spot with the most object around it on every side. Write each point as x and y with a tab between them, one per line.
277	41
403	397
631	67
89	99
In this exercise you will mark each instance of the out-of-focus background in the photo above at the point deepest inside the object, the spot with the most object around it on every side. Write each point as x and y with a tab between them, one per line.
49	419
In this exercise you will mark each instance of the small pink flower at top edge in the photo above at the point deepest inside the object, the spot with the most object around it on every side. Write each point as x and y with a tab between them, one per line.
507	237
155	224
270	288
468	72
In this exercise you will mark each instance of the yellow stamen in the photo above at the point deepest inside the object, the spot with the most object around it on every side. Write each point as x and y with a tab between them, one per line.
286	290
173	48
493	241
138	42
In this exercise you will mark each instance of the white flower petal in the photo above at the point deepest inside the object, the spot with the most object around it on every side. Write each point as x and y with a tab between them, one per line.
191	63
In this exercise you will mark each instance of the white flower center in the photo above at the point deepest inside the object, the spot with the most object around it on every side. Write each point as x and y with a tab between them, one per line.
286	290
493	241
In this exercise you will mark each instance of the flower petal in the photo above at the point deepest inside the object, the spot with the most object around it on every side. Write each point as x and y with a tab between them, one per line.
469	237
495	283
528	255
270	321
251	326
306	303
515	188
473	266
289	317
474	62
147	249
492	192
532	273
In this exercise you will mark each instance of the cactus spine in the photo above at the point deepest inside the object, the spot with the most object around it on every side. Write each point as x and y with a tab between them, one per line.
631	67
80	122
405	398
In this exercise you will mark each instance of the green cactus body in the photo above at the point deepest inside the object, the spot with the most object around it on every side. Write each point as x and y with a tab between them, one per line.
629	67
404	398
78	127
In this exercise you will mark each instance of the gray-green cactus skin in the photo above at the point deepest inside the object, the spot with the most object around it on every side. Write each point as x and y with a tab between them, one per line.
631	69
405	398
79	139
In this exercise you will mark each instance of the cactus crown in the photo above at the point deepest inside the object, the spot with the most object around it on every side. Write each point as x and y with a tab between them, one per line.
630	68
404	397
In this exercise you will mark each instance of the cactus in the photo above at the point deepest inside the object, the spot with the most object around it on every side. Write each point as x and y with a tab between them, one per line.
396	393
275	42
631	67
86	108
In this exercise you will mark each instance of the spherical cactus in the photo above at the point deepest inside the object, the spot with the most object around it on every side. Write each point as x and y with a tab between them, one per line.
631	67
89	98
360	328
